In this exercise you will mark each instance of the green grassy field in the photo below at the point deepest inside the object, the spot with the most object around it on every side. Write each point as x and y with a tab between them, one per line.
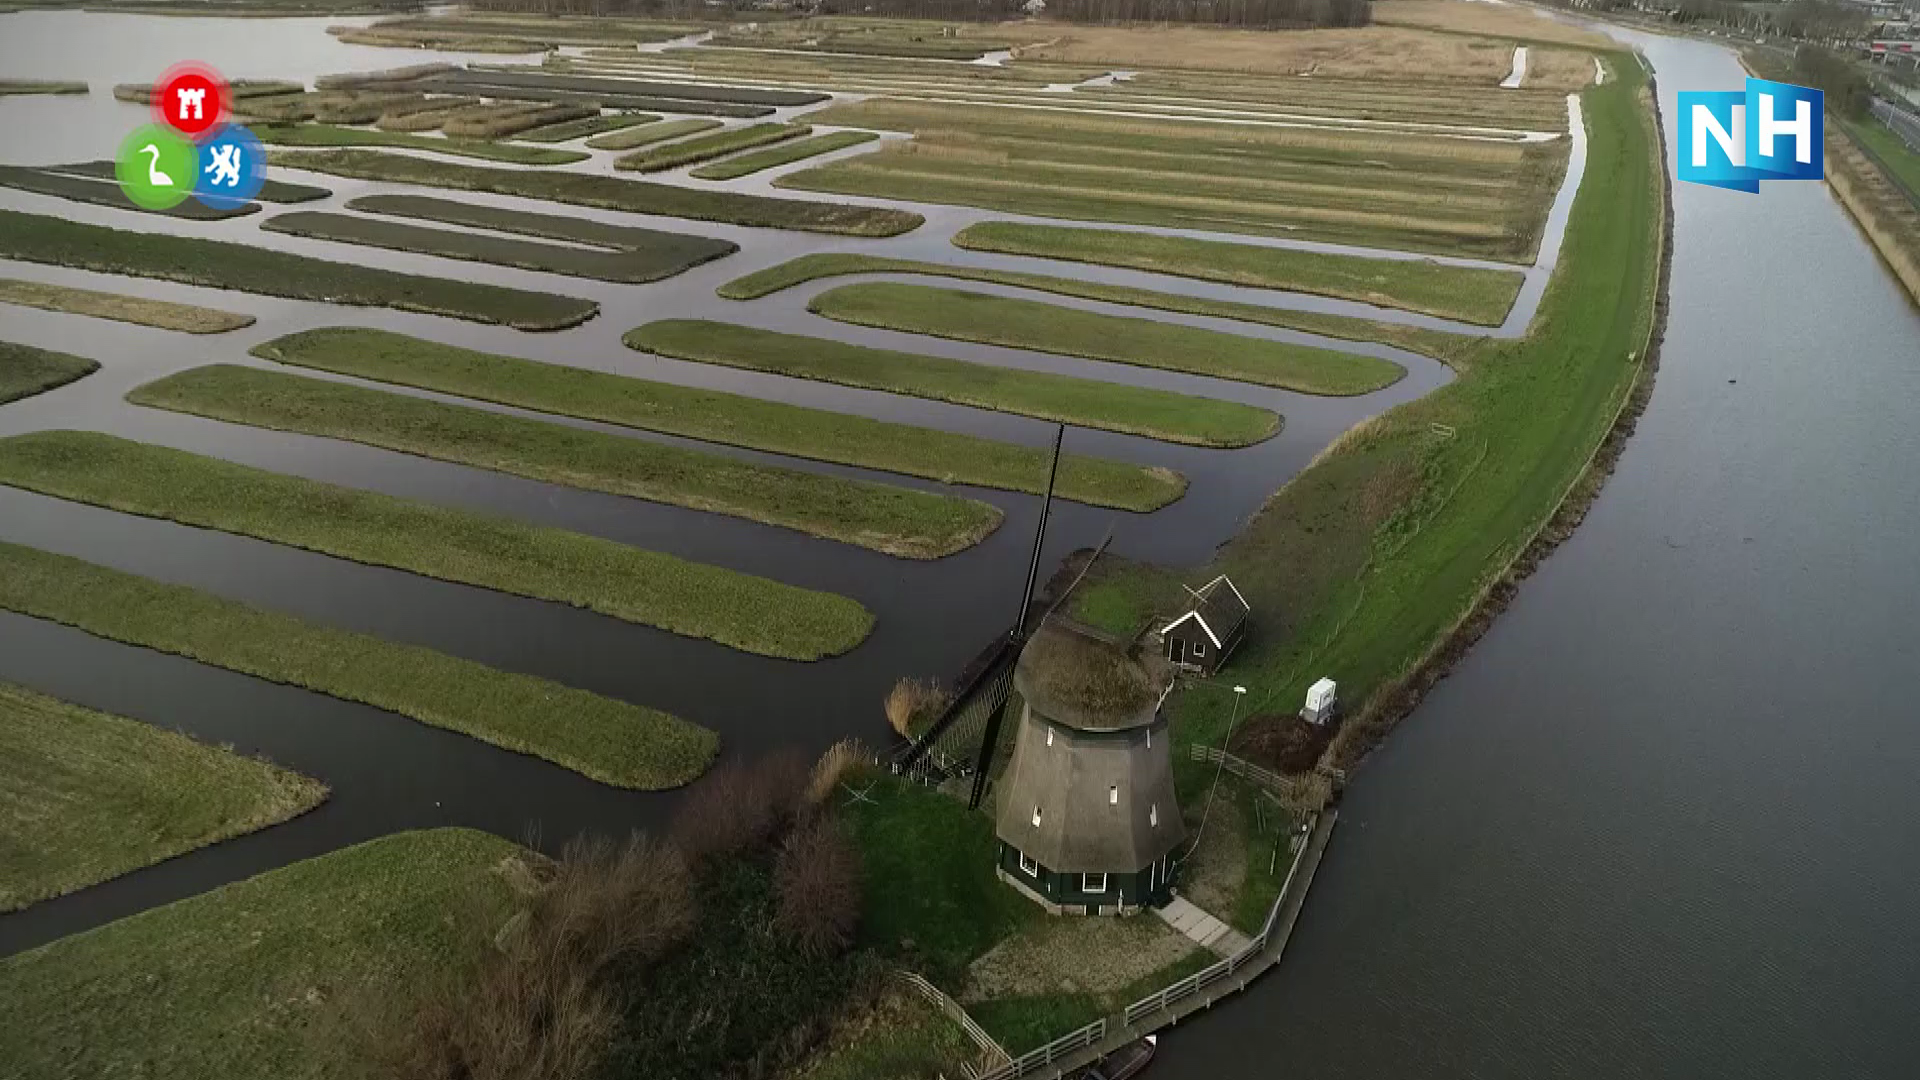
26	370
1435	343
1451	292
223	265
588	125
1030	324
1370	559
329	135
86	796
500	127
719	417
679	251
1901	160
272	191
611	741
40	86
895	520
161	314
797	150
1158	414
610	193
648	134
705	147
242	981
691	599
106	193
629	266
903	1036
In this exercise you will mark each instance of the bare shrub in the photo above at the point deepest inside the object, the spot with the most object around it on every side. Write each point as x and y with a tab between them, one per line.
911	700
1282	742
817	879
738	807
841	757
542	1004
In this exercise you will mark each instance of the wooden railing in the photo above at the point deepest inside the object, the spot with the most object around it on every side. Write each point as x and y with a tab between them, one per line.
1054	1051
997	1056
1240	767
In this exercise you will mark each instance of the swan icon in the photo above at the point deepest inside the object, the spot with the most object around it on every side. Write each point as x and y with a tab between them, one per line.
154	175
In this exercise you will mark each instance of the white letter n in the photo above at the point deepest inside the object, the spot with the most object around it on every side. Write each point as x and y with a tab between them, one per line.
1732	143
1801	128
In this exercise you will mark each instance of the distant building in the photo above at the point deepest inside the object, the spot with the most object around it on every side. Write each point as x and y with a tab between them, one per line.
1209	630
1087	817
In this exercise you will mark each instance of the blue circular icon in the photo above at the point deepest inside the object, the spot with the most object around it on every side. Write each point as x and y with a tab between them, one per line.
233	165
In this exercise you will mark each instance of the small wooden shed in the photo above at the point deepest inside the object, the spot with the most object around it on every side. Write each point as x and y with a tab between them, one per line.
1215	621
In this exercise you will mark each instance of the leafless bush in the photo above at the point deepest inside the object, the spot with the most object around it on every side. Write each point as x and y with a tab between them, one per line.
541	1005
817	876
834	764
738	807
909	700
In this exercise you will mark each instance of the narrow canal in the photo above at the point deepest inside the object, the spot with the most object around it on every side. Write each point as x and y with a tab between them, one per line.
1661	822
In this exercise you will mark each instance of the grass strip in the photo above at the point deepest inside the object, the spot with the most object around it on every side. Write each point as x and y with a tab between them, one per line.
598	99
627	267
707	147
26	370
162	314
1434	343
107	193
271	191
225	983
670	252
692	599
220	264
648	134
521	77
1156	414
40	86
714	416
611	741
612	193
797	150
1470	294
586	125
330	135
1031	324
502	125
86	796
894	520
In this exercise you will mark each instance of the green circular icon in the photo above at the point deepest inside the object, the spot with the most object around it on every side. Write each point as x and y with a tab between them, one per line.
157	167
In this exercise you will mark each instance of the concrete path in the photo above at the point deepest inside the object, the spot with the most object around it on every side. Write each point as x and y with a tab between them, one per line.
1210	932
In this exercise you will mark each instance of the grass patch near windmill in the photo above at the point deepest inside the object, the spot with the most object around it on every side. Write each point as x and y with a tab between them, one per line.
569	130
896	520
611	741
1469	294
611	193
719	417
1437	344
648	134
86	796
330	135
220	264
234	982
26	370
782	154
1031	324
161	314
695	600
1156	414
705	147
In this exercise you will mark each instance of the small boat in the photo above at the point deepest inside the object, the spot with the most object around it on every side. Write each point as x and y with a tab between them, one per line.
1122	1063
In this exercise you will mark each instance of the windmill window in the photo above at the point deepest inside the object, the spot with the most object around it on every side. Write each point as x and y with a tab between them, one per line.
1029	866
1199	648
1113	794
1049	736
1153	816
1093	883
1149	738
1036	817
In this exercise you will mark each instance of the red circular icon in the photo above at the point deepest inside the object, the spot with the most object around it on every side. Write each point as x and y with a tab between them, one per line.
190	98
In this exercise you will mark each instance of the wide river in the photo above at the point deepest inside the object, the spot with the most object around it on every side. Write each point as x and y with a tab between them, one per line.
1664	821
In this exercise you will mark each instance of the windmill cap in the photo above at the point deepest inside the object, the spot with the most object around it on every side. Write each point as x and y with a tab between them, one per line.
1080	681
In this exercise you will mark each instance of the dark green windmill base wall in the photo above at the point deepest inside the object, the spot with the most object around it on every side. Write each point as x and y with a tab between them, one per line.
1061	893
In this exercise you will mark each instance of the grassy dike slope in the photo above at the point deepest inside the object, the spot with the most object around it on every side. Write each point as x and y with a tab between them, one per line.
610	741
714	416
1157	414
1373	563
692	599
86	796
26	370
235	982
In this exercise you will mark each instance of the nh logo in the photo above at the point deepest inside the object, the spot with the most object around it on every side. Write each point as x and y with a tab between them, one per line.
1735	139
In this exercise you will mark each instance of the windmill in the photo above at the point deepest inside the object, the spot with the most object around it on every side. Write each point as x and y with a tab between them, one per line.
960	743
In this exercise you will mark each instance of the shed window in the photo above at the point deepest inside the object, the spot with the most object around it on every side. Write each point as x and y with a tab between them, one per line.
1199	648
1029	866
1036	817
1093	883
1113	794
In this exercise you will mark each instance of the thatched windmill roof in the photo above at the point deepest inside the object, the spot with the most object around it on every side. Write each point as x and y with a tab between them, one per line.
1082	682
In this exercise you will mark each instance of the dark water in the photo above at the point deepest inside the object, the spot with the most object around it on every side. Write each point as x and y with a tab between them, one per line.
1663	821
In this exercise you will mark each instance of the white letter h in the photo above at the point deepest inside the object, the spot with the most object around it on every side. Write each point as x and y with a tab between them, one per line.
1801	128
